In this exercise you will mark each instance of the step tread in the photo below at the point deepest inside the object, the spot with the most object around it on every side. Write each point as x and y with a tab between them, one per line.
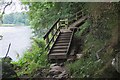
60	47
63	38
61	43
55	50
65	34
65	30
54	54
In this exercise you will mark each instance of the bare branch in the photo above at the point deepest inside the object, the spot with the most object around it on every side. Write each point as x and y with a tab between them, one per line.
9	3
3	12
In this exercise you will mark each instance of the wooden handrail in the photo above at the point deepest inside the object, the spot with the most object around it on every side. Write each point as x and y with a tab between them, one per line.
54	42
71	38
75	14
51	29
55	29
52	38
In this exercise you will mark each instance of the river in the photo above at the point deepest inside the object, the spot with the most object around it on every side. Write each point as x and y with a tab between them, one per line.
19	37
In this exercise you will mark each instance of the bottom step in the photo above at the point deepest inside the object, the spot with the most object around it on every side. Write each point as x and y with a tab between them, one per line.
57	56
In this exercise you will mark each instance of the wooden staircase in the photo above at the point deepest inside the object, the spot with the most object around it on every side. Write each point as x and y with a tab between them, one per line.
61	48
62	32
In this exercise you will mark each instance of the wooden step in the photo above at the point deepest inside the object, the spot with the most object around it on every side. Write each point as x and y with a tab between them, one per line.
57	51
60	47
65	30
58	56
65	34
64	38
63	41
61	44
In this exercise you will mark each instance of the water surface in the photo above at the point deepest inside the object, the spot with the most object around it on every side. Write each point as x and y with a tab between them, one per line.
19	37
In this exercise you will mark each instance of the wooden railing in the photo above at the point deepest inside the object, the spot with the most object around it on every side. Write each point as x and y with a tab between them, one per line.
64	23
51	35
75	17
53	32
71	38
68	20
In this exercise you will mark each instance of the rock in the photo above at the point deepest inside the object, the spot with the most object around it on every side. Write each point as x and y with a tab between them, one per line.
61	64
48	76
52	65
54	72
63	75
116	63
38	75
79	56
57	71
70	60
59	68
55	76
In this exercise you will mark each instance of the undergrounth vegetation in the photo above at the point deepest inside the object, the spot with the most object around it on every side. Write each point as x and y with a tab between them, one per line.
99	43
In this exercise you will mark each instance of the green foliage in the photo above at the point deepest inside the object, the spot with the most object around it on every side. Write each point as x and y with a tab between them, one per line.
103	29
83	29
16	18
33	59
44	14
84	68
103	17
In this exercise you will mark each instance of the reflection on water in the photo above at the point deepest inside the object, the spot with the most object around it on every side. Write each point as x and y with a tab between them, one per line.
19	37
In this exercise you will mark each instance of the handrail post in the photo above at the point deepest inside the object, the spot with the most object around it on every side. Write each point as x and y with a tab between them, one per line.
47	41
52	32
60	23
58	26
66	22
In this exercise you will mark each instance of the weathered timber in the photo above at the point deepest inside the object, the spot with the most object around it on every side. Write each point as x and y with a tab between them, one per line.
76	23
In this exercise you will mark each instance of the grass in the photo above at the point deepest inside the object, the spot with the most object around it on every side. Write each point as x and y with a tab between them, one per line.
11	25
7	25
84	68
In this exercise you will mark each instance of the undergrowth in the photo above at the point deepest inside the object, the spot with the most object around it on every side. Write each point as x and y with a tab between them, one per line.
84	68
100	38
33	59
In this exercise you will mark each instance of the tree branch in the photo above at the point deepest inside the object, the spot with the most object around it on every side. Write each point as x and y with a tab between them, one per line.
9	3
3	12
